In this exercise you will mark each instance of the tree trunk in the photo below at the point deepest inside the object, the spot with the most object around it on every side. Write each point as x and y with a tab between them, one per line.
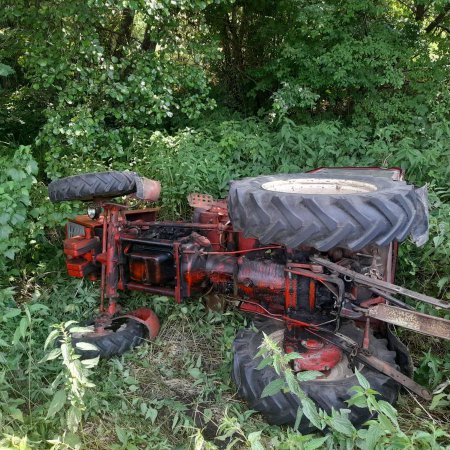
126	29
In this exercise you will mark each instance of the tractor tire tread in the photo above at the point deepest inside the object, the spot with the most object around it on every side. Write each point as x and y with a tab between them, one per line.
89	186
351	221
114	344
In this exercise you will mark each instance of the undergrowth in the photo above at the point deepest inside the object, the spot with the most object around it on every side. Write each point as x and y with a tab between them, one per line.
174	392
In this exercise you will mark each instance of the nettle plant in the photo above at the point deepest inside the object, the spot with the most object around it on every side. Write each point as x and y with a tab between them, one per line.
71	383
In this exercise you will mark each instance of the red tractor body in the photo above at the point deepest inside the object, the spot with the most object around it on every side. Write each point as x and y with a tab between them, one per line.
316	252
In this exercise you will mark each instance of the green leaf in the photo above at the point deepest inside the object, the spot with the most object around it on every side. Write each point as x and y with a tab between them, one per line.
310	411
73	418
6	70
362	379
51	338
342	425
293	355
122	435
314	443
373	435
53	354
273	387
194	372
308	375
298	417
58	401
151	414
90	363
80	330
359	400
23	326
255	440
15	413
86	346
388	410
265	362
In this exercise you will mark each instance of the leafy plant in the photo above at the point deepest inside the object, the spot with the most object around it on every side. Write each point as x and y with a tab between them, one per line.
71	383
380	432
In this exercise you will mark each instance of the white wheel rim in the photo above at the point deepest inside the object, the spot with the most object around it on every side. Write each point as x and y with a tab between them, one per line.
321	186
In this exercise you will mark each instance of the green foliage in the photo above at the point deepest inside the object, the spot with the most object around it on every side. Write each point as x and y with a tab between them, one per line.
112	71
100	84
72	382
16	181
25	218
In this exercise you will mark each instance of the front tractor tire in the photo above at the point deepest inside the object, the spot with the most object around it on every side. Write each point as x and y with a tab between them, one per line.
90	186
115	340
327	393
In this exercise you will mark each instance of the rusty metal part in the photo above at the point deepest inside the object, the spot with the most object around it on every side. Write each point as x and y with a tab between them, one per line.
316	268
366	337
326	279
364	356
413	320
147	190
147	317
157	290
393	300
315	354
240	252
261	279
205	201
380	284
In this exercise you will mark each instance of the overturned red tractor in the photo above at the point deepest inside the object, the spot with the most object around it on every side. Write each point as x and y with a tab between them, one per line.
312	255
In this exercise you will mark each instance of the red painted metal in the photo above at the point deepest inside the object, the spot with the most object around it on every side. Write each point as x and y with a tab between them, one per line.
312	294
148	190
246	243
290	297
148	318
141	215
79	245
79	267
249	250
158	290
321	356
176	251
103	263
181	259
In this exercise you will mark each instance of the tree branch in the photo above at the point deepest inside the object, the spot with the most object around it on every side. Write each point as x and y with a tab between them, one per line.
438	19
420	12
126	29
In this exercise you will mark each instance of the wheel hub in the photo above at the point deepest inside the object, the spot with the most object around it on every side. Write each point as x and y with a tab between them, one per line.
325	186
315	354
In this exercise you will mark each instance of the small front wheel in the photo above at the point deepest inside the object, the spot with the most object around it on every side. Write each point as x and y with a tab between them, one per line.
119	337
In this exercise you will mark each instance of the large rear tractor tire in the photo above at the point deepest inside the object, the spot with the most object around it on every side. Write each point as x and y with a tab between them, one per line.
325	212
329	392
